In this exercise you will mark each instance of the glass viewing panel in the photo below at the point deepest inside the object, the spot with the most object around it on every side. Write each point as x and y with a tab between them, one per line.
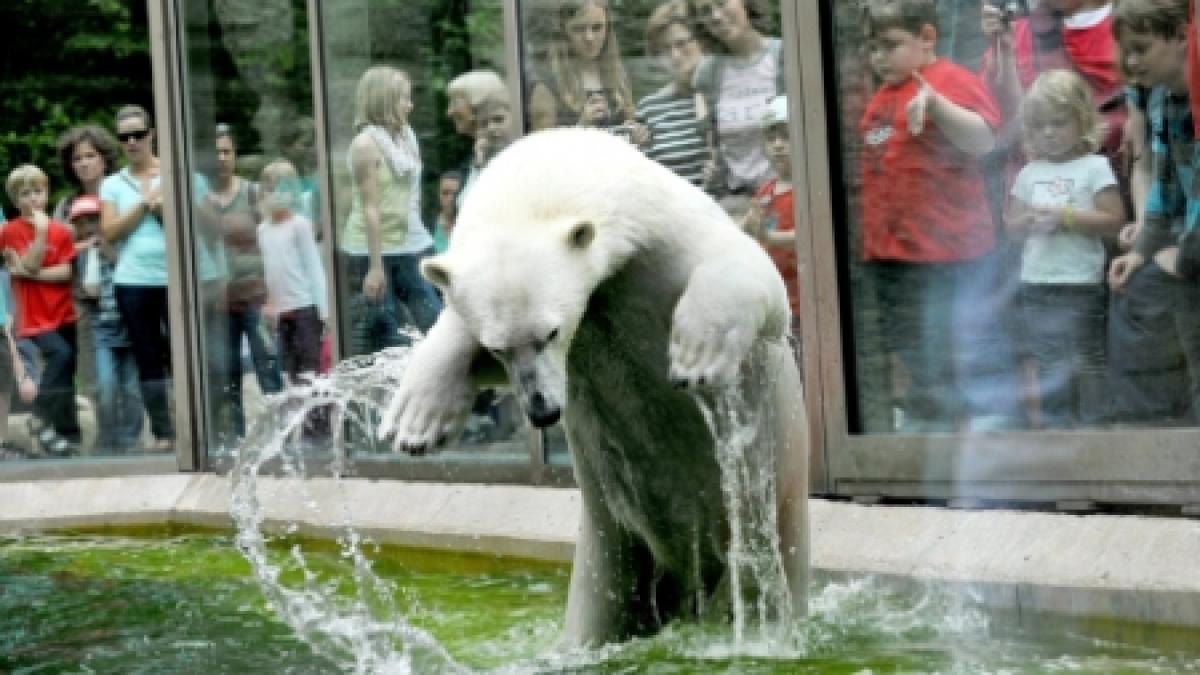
256	230
692	83
73	392
985	203
410	87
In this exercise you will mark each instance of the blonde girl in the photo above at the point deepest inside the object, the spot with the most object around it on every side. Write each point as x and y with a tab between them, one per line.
581	57
1061	204
384	239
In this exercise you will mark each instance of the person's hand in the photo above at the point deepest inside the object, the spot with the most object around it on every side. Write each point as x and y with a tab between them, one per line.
153	200
639	134
12	260
1128	235
708	173
1045	220
27	389
918	108
1168	259
374	283
754	220
1019	222
995	25
1122	268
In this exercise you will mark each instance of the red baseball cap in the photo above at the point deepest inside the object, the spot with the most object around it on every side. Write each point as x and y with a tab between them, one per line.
84	205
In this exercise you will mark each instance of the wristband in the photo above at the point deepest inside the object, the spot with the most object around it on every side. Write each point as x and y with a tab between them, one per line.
1069	218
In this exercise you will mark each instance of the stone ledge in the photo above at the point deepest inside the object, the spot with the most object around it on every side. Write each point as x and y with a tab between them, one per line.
1140	569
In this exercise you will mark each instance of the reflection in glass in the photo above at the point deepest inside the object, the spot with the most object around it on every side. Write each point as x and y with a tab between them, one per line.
978	262
414	114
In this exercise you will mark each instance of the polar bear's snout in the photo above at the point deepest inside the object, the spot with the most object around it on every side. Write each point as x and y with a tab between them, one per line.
542	413
539	382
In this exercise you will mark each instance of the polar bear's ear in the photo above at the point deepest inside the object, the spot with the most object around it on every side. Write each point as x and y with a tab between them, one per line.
581	235
437	271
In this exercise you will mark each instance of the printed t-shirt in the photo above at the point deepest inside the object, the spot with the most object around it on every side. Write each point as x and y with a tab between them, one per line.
923	199
41	306
1063	257
780	217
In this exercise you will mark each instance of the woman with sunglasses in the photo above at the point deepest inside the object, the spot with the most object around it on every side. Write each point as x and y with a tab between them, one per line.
131	218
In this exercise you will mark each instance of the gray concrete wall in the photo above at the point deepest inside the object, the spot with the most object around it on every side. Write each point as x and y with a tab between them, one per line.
1142	569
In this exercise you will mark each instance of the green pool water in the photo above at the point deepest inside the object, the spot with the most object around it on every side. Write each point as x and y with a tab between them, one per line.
188	603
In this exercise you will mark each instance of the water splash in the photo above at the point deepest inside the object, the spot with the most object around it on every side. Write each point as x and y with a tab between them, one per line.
353	621
739	422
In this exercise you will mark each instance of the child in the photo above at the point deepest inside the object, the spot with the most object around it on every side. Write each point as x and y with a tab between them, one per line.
927	232
1062	202
1152	36
39	252
119	411
293	272
771	218
449	184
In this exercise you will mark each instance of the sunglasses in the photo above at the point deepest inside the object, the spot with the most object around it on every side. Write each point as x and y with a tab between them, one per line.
138	135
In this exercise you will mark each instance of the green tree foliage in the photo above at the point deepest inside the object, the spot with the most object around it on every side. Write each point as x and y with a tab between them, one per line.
67	62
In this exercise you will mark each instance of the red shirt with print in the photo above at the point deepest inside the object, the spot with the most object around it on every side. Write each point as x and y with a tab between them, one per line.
923	199
42	306
779	217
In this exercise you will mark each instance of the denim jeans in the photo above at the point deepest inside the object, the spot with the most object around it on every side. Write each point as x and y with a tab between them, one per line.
119	400
144	311
1065	326
248	321
1148	360
409	302
55	402
943	323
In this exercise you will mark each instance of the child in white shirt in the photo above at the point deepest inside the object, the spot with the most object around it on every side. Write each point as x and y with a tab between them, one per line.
293	272
1061	204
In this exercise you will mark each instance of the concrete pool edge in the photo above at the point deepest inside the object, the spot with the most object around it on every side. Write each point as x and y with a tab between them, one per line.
1123	567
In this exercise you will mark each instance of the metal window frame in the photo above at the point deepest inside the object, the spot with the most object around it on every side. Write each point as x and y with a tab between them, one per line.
1160	466
1144	466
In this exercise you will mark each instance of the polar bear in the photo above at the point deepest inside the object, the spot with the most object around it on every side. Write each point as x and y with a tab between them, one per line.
611	291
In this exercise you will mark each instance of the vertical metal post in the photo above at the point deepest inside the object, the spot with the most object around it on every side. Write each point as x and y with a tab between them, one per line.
166	62
802	58
316	45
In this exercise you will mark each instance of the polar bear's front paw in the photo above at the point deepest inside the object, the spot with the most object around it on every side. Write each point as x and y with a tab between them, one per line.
704	351
422	419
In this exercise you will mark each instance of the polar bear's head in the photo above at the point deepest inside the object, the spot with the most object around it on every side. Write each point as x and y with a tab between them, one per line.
522	298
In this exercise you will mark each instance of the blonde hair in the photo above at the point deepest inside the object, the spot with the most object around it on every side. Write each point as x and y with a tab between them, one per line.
22	177
376	97
1061	90
566	72
475	86
280	176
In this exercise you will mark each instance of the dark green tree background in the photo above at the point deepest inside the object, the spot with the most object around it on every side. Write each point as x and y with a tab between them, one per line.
66	62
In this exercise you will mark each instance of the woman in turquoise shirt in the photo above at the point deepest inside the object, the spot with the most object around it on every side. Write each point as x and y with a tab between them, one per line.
131	218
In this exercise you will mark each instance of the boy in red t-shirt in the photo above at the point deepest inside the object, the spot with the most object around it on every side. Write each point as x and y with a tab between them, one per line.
927	231
771	218
38	252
